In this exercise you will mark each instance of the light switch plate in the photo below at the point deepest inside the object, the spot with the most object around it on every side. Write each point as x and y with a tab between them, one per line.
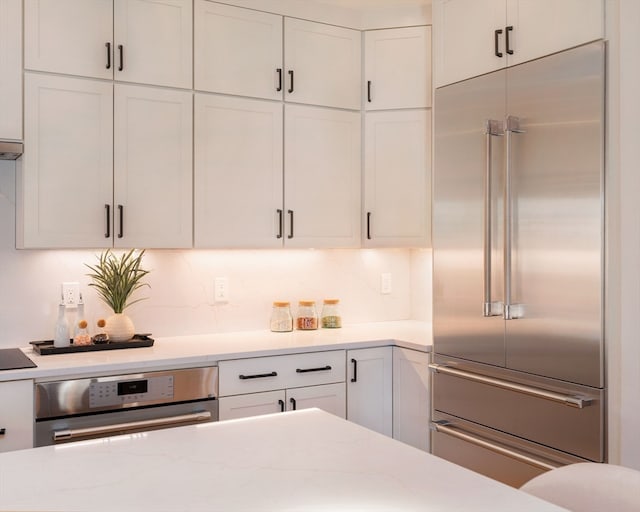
385	283
221	289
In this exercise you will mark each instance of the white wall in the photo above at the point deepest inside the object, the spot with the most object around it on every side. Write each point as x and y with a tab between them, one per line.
181	294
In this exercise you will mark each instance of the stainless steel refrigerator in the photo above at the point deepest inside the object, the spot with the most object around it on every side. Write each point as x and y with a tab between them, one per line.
518	262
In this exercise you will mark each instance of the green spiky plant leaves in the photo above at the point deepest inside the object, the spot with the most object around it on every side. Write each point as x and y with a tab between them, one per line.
116	279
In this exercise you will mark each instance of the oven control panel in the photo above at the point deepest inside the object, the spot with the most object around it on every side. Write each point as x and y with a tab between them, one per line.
120	392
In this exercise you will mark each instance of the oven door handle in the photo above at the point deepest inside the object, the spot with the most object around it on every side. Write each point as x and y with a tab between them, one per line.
66	434
444	428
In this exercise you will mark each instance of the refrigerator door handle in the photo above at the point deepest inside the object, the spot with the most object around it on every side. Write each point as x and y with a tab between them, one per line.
490	308
444	428
571	401
511	311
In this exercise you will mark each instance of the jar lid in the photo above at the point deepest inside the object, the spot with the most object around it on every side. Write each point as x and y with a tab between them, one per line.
280	304
307	303
331	301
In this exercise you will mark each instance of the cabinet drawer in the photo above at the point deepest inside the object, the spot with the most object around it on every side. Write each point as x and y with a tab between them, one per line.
279	372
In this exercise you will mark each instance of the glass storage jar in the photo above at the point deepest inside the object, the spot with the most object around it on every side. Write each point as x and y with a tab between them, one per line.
307	317
281	319
331	318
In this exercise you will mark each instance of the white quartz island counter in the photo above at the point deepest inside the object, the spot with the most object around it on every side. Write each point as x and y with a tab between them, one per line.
204	349
300	461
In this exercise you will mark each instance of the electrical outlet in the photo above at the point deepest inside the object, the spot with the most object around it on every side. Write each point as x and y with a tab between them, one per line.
385	283
71	294
221	289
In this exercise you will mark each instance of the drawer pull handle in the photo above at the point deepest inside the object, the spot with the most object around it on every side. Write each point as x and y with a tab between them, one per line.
293	403
307	370
258	376
355	370
572	401
3	431
281	404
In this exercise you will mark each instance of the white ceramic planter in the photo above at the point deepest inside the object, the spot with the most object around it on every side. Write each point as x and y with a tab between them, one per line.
119	327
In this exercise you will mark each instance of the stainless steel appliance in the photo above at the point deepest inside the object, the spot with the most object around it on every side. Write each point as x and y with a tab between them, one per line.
14	359
518	258
71	410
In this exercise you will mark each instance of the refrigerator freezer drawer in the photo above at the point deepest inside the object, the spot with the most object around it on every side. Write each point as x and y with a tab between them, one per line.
500	456
560	415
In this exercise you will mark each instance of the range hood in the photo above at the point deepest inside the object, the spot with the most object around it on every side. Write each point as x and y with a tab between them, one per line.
10	150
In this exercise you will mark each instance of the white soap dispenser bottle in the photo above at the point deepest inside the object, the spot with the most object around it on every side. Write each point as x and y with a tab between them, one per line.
61	337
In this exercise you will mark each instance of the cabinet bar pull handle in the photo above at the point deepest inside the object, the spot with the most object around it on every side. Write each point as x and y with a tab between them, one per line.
508	45
3	431
108	45
281	404
355	370
279	71
121	53
107	208
571	401
258	376
280	223
443	428
369	91
307	370
121	226
368	225
290	80
293	403
496	43
290	212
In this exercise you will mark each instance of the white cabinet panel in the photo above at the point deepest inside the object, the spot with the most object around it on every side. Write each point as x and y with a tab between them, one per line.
238	172
397	68
397	178
152	167
322	177
65	182
237	51
157	42
16	415
411	397
11	75
330	397
370	388
254	404
322	64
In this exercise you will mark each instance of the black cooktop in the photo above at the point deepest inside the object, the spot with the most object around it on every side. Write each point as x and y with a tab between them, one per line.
13	359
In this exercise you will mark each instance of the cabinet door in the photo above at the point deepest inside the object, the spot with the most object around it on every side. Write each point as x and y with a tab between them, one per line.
397	178
11	76
411	397
237	51
156	37
397	68
16	415
370	388
254	404
238	172
542	27
322	64
322	177
69	36
463	38
329	397
65	183
152	167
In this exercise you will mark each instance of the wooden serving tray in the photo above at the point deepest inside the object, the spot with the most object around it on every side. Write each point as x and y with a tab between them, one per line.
46	348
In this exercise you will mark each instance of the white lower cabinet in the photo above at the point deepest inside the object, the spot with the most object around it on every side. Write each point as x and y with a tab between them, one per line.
411	397
369	388
16	415
328	397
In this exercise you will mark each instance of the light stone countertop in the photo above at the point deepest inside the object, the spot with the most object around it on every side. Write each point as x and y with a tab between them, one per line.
208	349
306	460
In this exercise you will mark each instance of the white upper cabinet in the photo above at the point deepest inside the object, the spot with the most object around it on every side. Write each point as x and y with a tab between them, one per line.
11	75
153	183
473	37
397	68
322	177
397	179
237	51
238	172
322	64
145	41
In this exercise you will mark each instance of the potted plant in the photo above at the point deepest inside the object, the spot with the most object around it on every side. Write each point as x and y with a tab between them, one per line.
116	279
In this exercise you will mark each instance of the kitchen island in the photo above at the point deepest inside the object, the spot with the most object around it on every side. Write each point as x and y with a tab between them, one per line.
299	461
